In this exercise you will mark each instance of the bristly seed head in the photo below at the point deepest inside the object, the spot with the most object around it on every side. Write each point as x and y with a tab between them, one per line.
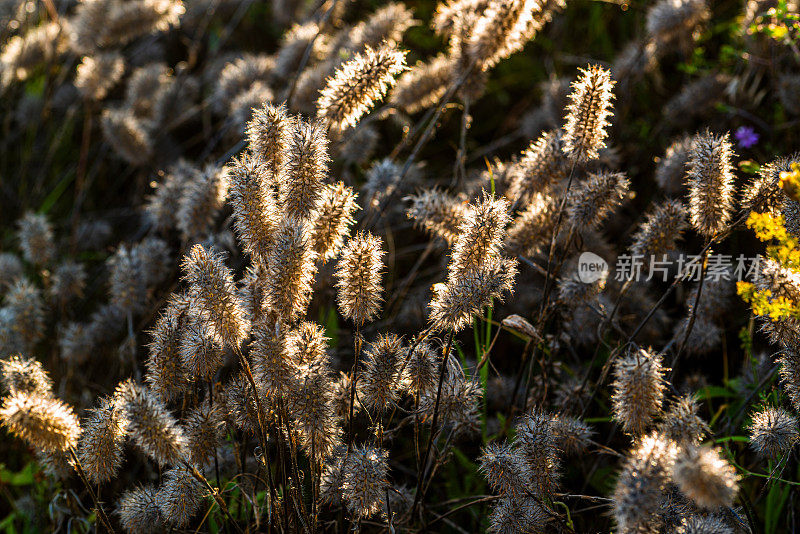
24	375
44	422
710	180
588	114
358	278
638	390
773	432
358	84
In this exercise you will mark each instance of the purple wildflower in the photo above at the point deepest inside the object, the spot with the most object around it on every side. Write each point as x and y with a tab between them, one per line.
746	136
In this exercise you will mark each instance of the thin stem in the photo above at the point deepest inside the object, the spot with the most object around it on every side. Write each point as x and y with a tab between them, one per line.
100	512
424	464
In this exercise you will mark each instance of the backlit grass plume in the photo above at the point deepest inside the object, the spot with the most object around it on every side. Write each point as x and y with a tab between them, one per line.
138	511
710	179
290	270
455	302
100	446
269	134
96	75
44	422
306	168
506	26
358	278
541	166
480	235
211	284
333	219
358	84
35	235
364	480
423	84
595	199
640	488
379	384
663	225
438	213
179	497
151	426
773	432
638	390
703	475
254	205
24	375
588	113
165	373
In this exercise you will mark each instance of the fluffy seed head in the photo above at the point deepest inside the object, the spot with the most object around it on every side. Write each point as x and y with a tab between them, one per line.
588	112
505	469
642	484
379	384
166	375
595	200
67	281
200	353
253	204
179	497
203	428
127	284
11	270
541	166
24	312
271	362
97	74
44	422
480	236
290	270
764	193
671	169
421	372
669	20
387	25
638	390
505	27
423	84
537	438
710	180
358	278
100	445
203	197
789	362
306	169
268	134
332	219
358	84
661	229
306	344
150	424
531	230
138	511
438	213
773	432
311	406
524	514
682	424
455	302
24	375
364	480
698	524
35	235
128	135
211	284
705	477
